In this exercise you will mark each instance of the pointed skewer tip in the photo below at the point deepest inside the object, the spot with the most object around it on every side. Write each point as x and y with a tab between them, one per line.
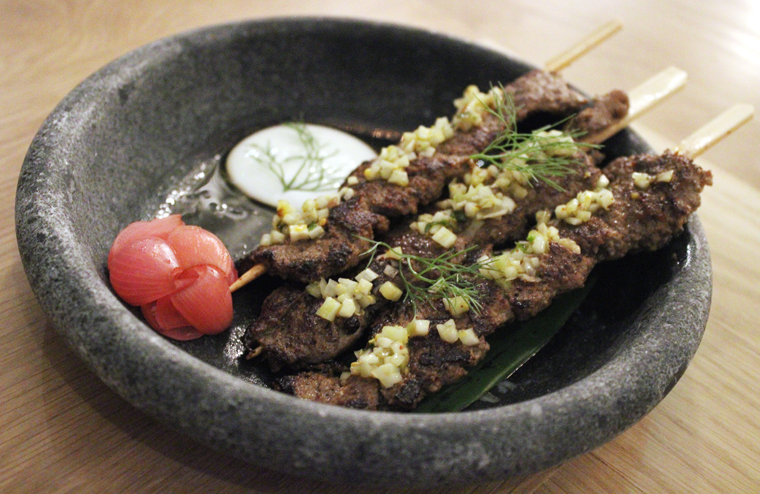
248	277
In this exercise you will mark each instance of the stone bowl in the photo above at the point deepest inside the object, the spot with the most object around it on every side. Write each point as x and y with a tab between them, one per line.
118	145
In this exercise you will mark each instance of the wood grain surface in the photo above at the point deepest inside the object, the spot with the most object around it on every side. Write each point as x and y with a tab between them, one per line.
62	430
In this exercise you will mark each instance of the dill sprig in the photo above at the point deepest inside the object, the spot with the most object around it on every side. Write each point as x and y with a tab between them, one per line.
311	174
536	155
426	279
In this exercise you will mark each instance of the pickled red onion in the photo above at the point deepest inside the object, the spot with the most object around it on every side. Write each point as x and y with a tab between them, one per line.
167	316
138	230
182	333
206	303
144	270
179	275
194	246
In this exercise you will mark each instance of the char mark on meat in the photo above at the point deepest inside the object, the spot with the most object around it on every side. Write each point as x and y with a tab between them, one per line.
294	335
647	219
360	393
350	223
427	178
606	111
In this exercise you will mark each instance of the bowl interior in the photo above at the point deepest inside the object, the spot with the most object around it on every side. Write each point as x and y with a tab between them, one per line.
120	143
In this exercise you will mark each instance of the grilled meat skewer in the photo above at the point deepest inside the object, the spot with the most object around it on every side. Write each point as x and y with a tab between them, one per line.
653	198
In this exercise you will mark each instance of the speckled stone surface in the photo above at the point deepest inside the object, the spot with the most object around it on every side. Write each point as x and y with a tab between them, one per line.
110	151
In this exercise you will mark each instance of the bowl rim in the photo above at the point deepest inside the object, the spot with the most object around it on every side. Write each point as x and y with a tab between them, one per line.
253	412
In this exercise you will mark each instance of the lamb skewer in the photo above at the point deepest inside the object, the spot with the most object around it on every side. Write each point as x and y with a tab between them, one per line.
653	198
340	250
342	247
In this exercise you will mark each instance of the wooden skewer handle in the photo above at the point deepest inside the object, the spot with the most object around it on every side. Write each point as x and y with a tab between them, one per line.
248	276
655	90
646	96
567	57
716	130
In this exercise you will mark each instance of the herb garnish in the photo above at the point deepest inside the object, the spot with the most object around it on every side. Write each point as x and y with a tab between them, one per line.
426	279
311	175
539	155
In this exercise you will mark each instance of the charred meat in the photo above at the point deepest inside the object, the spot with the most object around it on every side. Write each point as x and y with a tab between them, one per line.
653	198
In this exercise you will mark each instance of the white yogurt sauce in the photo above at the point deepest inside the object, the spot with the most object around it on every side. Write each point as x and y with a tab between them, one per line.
254	164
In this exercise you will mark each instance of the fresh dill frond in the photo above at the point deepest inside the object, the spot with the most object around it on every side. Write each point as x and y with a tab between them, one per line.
539	155
455	286
312	173
426	279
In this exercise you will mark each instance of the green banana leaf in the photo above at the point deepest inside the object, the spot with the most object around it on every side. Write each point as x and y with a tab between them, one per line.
510	349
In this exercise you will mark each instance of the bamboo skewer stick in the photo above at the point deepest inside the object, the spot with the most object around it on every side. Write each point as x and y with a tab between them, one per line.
596	38
248	276
554	64
715	130
646	96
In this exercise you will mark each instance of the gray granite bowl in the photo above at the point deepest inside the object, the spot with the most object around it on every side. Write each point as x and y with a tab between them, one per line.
116	147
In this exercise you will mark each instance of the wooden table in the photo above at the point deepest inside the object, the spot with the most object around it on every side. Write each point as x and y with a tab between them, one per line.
61	429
